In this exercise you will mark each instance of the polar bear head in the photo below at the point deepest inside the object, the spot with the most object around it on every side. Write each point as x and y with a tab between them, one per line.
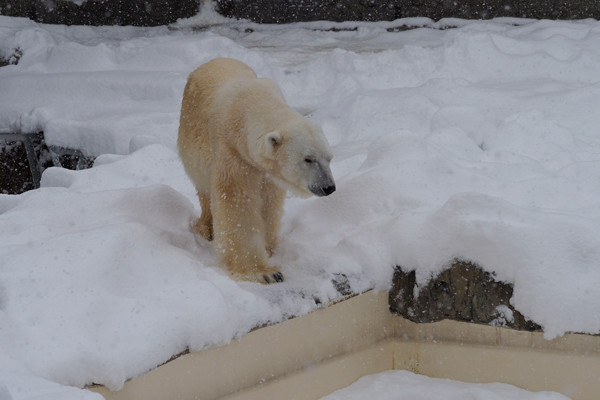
297	156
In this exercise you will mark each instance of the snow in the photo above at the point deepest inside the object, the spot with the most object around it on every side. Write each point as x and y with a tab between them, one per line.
405	385
478	142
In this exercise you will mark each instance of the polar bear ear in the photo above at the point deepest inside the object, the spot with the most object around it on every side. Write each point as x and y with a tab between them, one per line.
273	139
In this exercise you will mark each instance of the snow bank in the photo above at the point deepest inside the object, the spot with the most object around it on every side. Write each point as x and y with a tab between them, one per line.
478	142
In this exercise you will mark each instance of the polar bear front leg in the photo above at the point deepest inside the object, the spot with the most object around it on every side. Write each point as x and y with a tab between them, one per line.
272	211
239	236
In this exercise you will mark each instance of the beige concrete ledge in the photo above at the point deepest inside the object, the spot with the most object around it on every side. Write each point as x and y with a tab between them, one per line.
311	356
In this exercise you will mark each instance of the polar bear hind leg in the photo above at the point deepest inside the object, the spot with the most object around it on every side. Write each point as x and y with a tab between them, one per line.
204	225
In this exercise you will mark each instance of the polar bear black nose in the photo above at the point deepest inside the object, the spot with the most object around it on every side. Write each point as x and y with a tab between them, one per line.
328	190
323	190
322	181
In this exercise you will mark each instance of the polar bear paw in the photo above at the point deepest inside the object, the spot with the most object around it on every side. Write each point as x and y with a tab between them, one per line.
272	275
202	228
272	278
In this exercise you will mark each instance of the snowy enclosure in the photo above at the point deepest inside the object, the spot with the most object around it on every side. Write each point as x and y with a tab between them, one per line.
478	142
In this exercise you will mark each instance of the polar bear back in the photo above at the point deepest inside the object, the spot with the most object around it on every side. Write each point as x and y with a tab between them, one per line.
198	114
219	97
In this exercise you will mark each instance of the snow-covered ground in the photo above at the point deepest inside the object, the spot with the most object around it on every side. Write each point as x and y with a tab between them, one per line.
480	142
404	385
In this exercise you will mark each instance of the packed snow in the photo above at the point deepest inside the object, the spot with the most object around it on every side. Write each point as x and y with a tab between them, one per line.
404	385
478	141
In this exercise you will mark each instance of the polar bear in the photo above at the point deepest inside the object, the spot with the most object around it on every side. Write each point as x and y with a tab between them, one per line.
243	147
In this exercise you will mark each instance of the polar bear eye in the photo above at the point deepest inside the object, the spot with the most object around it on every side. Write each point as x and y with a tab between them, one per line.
309	160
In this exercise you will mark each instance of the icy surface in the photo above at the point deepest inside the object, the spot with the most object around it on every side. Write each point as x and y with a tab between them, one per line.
404	385
479	142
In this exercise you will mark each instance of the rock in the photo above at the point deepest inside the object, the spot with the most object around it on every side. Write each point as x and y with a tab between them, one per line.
19	162
463	292
286	11
342	284
12	59
278	11
101	12
24	157
15	176
70	158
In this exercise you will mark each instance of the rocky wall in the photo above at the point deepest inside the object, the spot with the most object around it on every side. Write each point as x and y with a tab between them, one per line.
101	12
282	11
163	12
463	292
25	156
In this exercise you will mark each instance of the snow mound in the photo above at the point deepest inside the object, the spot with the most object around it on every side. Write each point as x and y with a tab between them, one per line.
404	385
